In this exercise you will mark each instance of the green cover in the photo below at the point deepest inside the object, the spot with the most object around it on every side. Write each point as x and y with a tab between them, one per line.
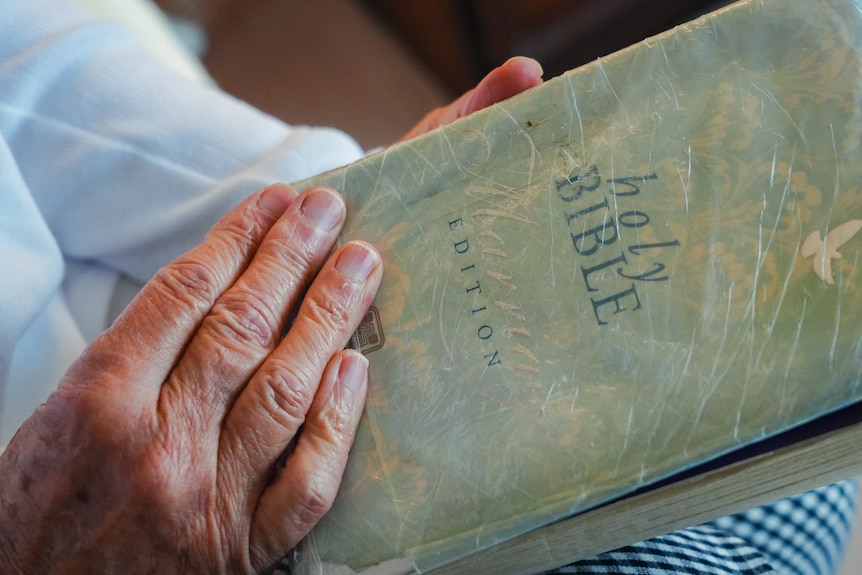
605	280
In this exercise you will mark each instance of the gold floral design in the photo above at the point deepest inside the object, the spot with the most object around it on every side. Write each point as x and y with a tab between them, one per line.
732	120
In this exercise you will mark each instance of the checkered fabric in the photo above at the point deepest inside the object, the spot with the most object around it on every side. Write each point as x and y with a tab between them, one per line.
802	535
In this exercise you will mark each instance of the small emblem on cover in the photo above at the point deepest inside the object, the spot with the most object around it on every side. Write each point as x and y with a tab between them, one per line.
369	335
826	250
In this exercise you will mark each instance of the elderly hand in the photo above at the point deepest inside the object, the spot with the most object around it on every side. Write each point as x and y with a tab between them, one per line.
158	451
513	77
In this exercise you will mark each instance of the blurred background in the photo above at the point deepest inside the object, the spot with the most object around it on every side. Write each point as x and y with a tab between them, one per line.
393	60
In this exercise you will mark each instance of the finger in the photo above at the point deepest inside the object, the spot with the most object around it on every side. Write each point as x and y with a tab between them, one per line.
152	332
246	322
513	77
303	491
270	410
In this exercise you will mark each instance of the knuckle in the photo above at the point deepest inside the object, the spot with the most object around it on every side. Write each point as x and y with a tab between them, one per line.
331	311
159	471
285	397
191	282
164	477
245	319
288	253
240	229
101	364
340	423
313	495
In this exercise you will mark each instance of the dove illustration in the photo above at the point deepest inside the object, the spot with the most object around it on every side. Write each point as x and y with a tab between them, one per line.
825	250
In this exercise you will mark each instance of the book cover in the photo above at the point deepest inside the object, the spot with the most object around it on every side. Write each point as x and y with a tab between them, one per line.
637	267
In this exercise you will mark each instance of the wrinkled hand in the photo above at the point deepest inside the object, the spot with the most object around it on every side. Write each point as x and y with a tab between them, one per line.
157	452
513	77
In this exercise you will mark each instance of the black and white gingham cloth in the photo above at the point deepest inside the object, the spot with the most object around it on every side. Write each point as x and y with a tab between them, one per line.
802	535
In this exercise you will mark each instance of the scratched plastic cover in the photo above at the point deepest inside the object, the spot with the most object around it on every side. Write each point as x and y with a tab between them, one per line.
641	265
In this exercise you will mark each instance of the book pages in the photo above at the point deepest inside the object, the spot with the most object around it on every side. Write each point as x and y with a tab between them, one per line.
634	268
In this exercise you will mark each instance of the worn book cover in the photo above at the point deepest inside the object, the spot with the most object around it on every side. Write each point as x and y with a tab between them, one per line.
635	268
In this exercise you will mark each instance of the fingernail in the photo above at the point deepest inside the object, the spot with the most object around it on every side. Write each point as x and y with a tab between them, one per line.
323	207
351	372
275	199
529	61
356	261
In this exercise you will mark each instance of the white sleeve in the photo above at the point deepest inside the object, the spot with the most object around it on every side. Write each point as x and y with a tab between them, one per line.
128	162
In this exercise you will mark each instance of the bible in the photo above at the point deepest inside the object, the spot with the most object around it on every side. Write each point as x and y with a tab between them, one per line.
598	291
